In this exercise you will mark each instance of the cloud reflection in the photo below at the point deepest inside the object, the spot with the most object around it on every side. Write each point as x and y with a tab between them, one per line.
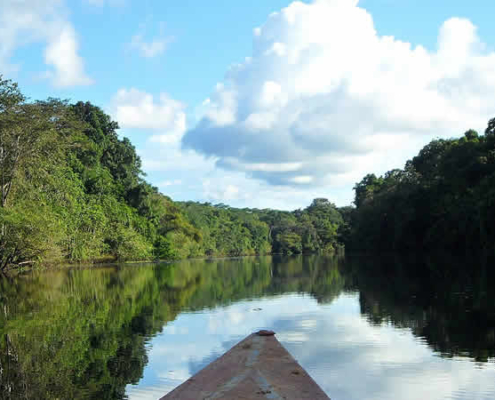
348	357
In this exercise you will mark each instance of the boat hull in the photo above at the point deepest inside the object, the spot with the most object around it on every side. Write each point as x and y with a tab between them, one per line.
258	367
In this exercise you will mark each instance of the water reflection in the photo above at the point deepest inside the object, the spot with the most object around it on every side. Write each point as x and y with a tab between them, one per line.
363	328
452	308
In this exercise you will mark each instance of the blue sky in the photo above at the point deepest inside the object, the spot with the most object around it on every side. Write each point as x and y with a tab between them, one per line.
322	93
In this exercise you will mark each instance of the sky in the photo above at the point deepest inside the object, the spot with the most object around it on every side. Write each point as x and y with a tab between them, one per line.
262	103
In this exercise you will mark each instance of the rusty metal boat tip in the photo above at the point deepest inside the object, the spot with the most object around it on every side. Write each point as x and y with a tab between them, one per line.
254	368
265	332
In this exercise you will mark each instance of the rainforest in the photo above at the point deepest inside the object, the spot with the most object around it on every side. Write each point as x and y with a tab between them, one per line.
73	190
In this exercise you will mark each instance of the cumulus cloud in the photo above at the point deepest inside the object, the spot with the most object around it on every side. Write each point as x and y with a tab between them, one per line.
201	180
133	108
220	193
62	54
237	189
324	99
42	21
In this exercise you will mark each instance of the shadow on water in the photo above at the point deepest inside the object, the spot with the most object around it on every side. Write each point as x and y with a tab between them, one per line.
82	333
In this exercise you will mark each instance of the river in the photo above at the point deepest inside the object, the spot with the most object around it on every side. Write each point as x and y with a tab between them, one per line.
363	327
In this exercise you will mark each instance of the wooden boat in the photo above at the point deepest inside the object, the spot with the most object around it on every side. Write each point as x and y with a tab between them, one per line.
256	368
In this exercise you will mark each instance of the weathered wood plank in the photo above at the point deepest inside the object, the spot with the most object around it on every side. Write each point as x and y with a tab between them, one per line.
258	367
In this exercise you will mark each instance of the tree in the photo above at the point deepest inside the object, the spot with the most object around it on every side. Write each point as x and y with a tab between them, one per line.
471	134
364	190
290	242
442	199
72	190
490	129
11	113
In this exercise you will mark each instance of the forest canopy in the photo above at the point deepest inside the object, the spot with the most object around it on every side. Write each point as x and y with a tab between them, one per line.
73	190
444	198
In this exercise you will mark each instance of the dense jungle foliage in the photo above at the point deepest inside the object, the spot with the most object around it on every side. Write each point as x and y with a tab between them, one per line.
444	198
73	190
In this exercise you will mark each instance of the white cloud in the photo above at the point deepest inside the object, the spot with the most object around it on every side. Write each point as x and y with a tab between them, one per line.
170	183
220	193
62	54
326	95
161	121
270	167
195	177
136	109
153	47
238	190
46	22
200	180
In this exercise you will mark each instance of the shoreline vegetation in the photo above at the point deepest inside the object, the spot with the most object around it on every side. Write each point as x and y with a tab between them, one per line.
73	192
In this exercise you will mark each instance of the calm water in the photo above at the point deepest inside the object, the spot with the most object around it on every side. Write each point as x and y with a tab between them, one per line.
363	328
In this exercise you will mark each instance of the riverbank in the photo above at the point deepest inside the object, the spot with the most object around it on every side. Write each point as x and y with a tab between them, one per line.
111	261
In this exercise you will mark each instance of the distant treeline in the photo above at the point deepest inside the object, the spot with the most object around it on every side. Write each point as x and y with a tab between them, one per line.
444	198
73	191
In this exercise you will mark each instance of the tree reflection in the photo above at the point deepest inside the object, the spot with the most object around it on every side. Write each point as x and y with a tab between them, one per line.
82	333
452	308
